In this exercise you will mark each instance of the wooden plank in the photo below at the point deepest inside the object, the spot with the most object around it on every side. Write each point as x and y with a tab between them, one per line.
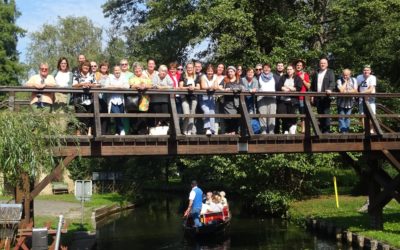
176	129
310	117
246	120
97	122
53	175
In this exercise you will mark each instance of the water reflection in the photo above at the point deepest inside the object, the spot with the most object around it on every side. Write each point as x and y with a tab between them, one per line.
157	224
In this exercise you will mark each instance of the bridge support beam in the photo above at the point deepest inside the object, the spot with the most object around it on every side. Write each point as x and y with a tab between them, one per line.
375	210
25	192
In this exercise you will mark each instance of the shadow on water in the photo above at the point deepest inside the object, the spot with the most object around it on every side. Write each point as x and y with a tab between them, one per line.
157	224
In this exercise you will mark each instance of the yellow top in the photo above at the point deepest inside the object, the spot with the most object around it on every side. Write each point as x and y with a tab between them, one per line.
138	81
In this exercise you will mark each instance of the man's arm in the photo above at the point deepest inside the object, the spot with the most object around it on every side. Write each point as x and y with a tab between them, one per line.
188	209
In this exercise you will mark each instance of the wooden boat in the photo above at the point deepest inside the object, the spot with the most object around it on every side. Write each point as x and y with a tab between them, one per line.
214	224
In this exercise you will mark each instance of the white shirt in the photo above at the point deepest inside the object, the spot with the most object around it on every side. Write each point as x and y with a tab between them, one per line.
366	83
121	82
321	75
192	194
62	79
210	83
267	86
216	207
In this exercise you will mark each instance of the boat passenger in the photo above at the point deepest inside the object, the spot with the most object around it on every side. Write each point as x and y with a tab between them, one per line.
216	205
224	202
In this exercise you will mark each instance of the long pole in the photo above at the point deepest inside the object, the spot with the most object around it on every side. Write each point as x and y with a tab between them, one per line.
336	192
58	235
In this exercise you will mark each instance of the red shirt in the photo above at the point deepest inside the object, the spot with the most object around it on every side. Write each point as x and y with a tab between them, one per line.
306	78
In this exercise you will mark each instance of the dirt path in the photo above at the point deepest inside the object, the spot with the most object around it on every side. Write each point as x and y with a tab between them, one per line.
55	208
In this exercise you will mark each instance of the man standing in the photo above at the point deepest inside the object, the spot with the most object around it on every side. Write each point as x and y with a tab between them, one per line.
195	203
367	85
280	69
42	101
323	81
346	84
81	59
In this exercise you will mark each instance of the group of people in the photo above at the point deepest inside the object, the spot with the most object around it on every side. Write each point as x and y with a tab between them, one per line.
199	204
261	78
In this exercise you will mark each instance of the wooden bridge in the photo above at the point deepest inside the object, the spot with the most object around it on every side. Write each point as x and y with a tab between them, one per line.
383	143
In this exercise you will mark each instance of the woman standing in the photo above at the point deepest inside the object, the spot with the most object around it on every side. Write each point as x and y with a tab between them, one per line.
190	82
230	102
116	101
250	83
84	102
210	84
175	75
159	103
141	82
218	105
102	77
290	82
64	79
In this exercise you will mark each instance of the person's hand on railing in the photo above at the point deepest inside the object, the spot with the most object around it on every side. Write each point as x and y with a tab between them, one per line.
39	86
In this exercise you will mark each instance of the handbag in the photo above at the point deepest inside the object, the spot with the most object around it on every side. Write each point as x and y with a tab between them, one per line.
144	103
131	103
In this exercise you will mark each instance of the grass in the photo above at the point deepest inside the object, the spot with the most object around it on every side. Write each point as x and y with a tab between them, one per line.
74	225
348	217
96	201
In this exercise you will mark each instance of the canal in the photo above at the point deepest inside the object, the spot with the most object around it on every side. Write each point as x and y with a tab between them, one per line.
157	224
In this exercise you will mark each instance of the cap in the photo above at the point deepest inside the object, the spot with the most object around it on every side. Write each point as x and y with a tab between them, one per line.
232	68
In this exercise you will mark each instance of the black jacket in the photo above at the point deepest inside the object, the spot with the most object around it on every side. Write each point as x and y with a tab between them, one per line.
327	84
298	83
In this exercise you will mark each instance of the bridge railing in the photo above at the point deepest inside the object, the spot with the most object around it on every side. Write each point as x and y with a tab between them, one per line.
382	124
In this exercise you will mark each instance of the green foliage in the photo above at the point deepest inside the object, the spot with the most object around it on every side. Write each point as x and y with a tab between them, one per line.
9	66
26	143
267	182
350	33
348	217
68	37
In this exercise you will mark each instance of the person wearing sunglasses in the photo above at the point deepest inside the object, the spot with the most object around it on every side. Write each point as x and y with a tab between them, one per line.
42	102
258	71
125	69
93	67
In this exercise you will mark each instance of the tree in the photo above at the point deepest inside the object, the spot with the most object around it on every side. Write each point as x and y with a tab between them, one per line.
69	37
26	143
9	66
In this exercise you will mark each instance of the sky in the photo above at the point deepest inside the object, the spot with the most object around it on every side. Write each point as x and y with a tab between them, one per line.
35	13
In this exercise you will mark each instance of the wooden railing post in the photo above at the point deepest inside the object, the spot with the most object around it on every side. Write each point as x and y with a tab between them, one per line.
96	115
370	119
176	130
11	101
310	118
246	120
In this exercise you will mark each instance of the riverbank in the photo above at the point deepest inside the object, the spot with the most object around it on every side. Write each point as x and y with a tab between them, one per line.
347	216
49	207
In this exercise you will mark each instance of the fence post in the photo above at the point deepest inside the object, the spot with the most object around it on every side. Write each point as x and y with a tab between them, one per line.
11	101
96	114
